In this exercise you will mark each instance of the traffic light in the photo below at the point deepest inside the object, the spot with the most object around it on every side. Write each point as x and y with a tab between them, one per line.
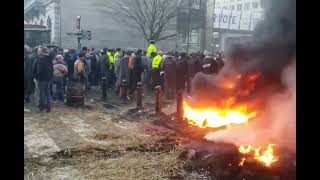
89	35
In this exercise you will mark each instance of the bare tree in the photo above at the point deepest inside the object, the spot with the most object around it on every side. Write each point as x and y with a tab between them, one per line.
154	18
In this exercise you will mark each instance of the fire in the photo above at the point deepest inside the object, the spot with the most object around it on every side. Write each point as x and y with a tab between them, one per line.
215	117
266	157
242	161
244	150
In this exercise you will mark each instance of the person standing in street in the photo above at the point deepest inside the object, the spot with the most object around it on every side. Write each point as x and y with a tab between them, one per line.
117	70
28	75
81	69
59	71
104	69
156	70
124	68
152	48
132	76
43	72
111	75
181	72
169	67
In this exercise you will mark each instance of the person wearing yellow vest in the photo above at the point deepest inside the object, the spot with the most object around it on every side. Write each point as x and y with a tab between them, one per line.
156	61
111	58
111	75
117	53
156	69
151	48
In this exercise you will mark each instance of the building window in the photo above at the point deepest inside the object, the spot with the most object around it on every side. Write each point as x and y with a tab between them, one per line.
246	6
196	4
254	5
232	7
239	7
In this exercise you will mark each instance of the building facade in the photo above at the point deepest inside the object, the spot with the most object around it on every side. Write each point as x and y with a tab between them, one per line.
47	13
60	17
248	12
240	5
204	27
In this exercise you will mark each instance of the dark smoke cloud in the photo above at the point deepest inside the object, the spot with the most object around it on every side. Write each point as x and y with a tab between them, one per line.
274	41
273	47
272	53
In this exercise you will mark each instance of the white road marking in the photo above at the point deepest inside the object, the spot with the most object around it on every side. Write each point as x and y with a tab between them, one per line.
83	129
37	140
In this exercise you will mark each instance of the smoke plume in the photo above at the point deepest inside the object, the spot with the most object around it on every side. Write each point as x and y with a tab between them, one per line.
272	54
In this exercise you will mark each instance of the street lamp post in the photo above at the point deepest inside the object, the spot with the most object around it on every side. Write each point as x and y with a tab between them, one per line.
214	7
188	38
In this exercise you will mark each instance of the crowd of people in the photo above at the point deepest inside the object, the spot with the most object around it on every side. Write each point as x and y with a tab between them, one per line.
47	71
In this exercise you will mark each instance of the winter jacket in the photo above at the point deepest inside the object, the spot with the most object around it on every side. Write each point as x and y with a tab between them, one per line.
138	66
132	60
29	60
151	48
156	62
124	70
104	66
59	69
43	68
144	61
117	66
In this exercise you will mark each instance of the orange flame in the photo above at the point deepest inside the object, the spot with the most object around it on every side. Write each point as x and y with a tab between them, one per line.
214	117
266	157
242	161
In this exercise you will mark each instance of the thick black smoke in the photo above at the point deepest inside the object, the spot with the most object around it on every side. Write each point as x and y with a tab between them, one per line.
272	53
274	41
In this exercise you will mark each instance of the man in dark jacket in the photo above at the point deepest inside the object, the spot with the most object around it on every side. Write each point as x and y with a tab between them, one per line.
124	68
138	66
94	68
28	75
104	71
70	59
194	66
169	68
181	72
43	72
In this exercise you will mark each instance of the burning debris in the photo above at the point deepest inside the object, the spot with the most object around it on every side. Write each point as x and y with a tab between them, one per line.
267	157
254	95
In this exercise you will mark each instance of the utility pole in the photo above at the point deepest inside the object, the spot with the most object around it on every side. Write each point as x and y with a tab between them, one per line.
188	40
214	7
60	22
79	44
78	26
81	34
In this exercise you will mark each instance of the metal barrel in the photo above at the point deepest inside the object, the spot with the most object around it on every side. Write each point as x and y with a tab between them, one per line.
75	93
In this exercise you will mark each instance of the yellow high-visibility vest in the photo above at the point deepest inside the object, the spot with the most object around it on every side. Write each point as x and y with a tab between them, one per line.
156	61
151	48
111	58
116	54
